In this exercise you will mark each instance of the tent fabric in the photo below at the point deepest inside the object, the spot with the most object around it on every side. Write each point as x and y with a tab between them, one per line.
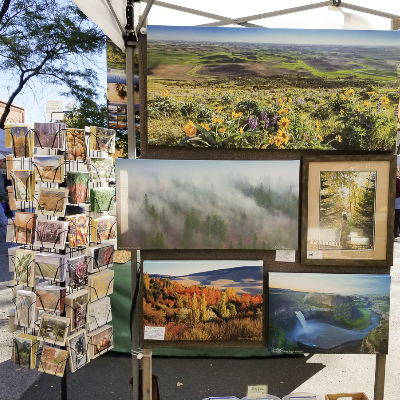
120	308
99	12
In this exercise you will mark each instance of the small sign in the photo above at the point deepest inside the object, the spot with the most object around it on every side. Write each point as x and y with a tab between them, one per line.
314	255
53	107
285	255
154	332
256	391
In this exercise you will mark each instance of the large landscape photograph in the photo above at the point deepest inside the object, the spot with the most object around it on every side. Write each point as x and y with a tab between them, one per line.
326	313
273	88
204	300
174	204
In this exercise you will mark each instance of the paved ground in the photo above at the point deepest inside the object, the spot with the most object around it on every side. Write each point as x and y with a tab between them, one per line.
194	379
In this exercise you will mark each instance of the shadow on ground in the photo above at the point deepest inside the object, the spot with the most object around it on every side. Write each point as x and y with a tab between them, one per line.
107	377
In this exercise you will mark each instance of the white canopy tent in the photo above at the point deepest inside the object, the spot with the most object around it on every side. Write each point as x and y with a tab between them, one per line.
122	20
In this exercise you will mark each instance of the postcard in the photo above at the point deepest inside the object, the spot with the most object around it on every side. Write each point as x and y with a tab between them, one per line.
76	144
100	284
50	266
99	313
77	345
52	201
101	340
78	186
49	168
49	135
102	139
101	257
102	168
24	227
103	228
77	272
22	140
24	350
76	305
50	298
53	329
24	273
102	199
25	308
53	361
52	234
23	183
77	230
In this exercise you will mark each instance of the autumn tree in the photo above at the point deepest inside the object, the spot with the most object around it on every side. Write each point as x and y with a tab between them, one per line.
222	311
204	312
48	42
194	311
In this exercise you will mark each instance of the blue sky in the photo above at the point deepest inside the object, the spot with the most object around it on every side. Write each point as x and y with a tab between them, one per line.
282	36
181	268
344	284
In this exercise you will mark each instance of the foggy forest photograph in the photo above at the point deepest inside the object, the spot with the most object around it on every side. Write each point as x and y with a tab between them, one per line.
170	204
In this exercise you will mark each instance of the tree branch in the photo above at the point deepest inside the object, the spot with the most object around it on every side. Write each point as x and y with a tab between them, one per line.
4	8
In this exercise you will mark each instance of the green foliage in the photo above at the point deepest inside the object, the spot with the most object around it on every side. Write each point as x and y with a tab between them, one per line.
49	42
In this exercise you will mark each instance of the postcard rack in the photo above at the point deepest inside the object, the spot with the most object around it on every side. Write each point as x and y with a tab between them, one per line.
142	350
61	265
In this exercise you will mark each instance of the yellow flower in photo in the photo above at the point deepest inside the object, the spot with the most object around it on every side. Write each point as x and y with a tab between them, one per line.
341	112
320	138
284	123
241	131
366	103
280	100
317	125
385	100
343	97
290	100
164	93
205	126
278	141
271	139
339	138
286	139
358	108
218	109
371	93
281	111
221	130
350	92
216	120
281	133
236	115
190	129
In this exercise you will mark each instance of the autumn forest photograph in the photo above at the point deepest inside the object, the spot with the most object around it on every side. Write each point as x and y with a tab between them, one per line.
204	300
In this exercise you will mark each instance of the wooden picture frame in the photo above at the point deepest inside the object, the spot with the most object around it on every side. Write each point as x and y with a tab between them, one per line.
340	241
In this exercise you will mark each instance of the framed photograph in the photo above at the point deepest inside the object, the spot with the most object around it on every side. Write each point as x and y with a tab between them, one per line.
102	168
207	204
49	135
49	168
348	210
53	361
77	345
52	201
24	227
328	313
209	300
52	234
53	329
76	144
101	340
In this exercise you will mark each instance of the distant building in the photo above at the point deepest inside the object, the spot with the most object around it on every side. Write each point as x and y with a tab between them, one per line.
16	115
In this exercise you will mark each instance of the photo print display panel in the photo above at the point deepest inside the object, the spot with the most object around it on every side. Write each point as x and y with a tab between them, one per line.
203	301
328	313
347	216
272	89
207	204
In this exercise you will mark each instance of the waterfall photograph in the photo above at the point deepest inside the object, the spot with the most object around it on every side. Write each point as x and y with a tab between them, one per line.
328	313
